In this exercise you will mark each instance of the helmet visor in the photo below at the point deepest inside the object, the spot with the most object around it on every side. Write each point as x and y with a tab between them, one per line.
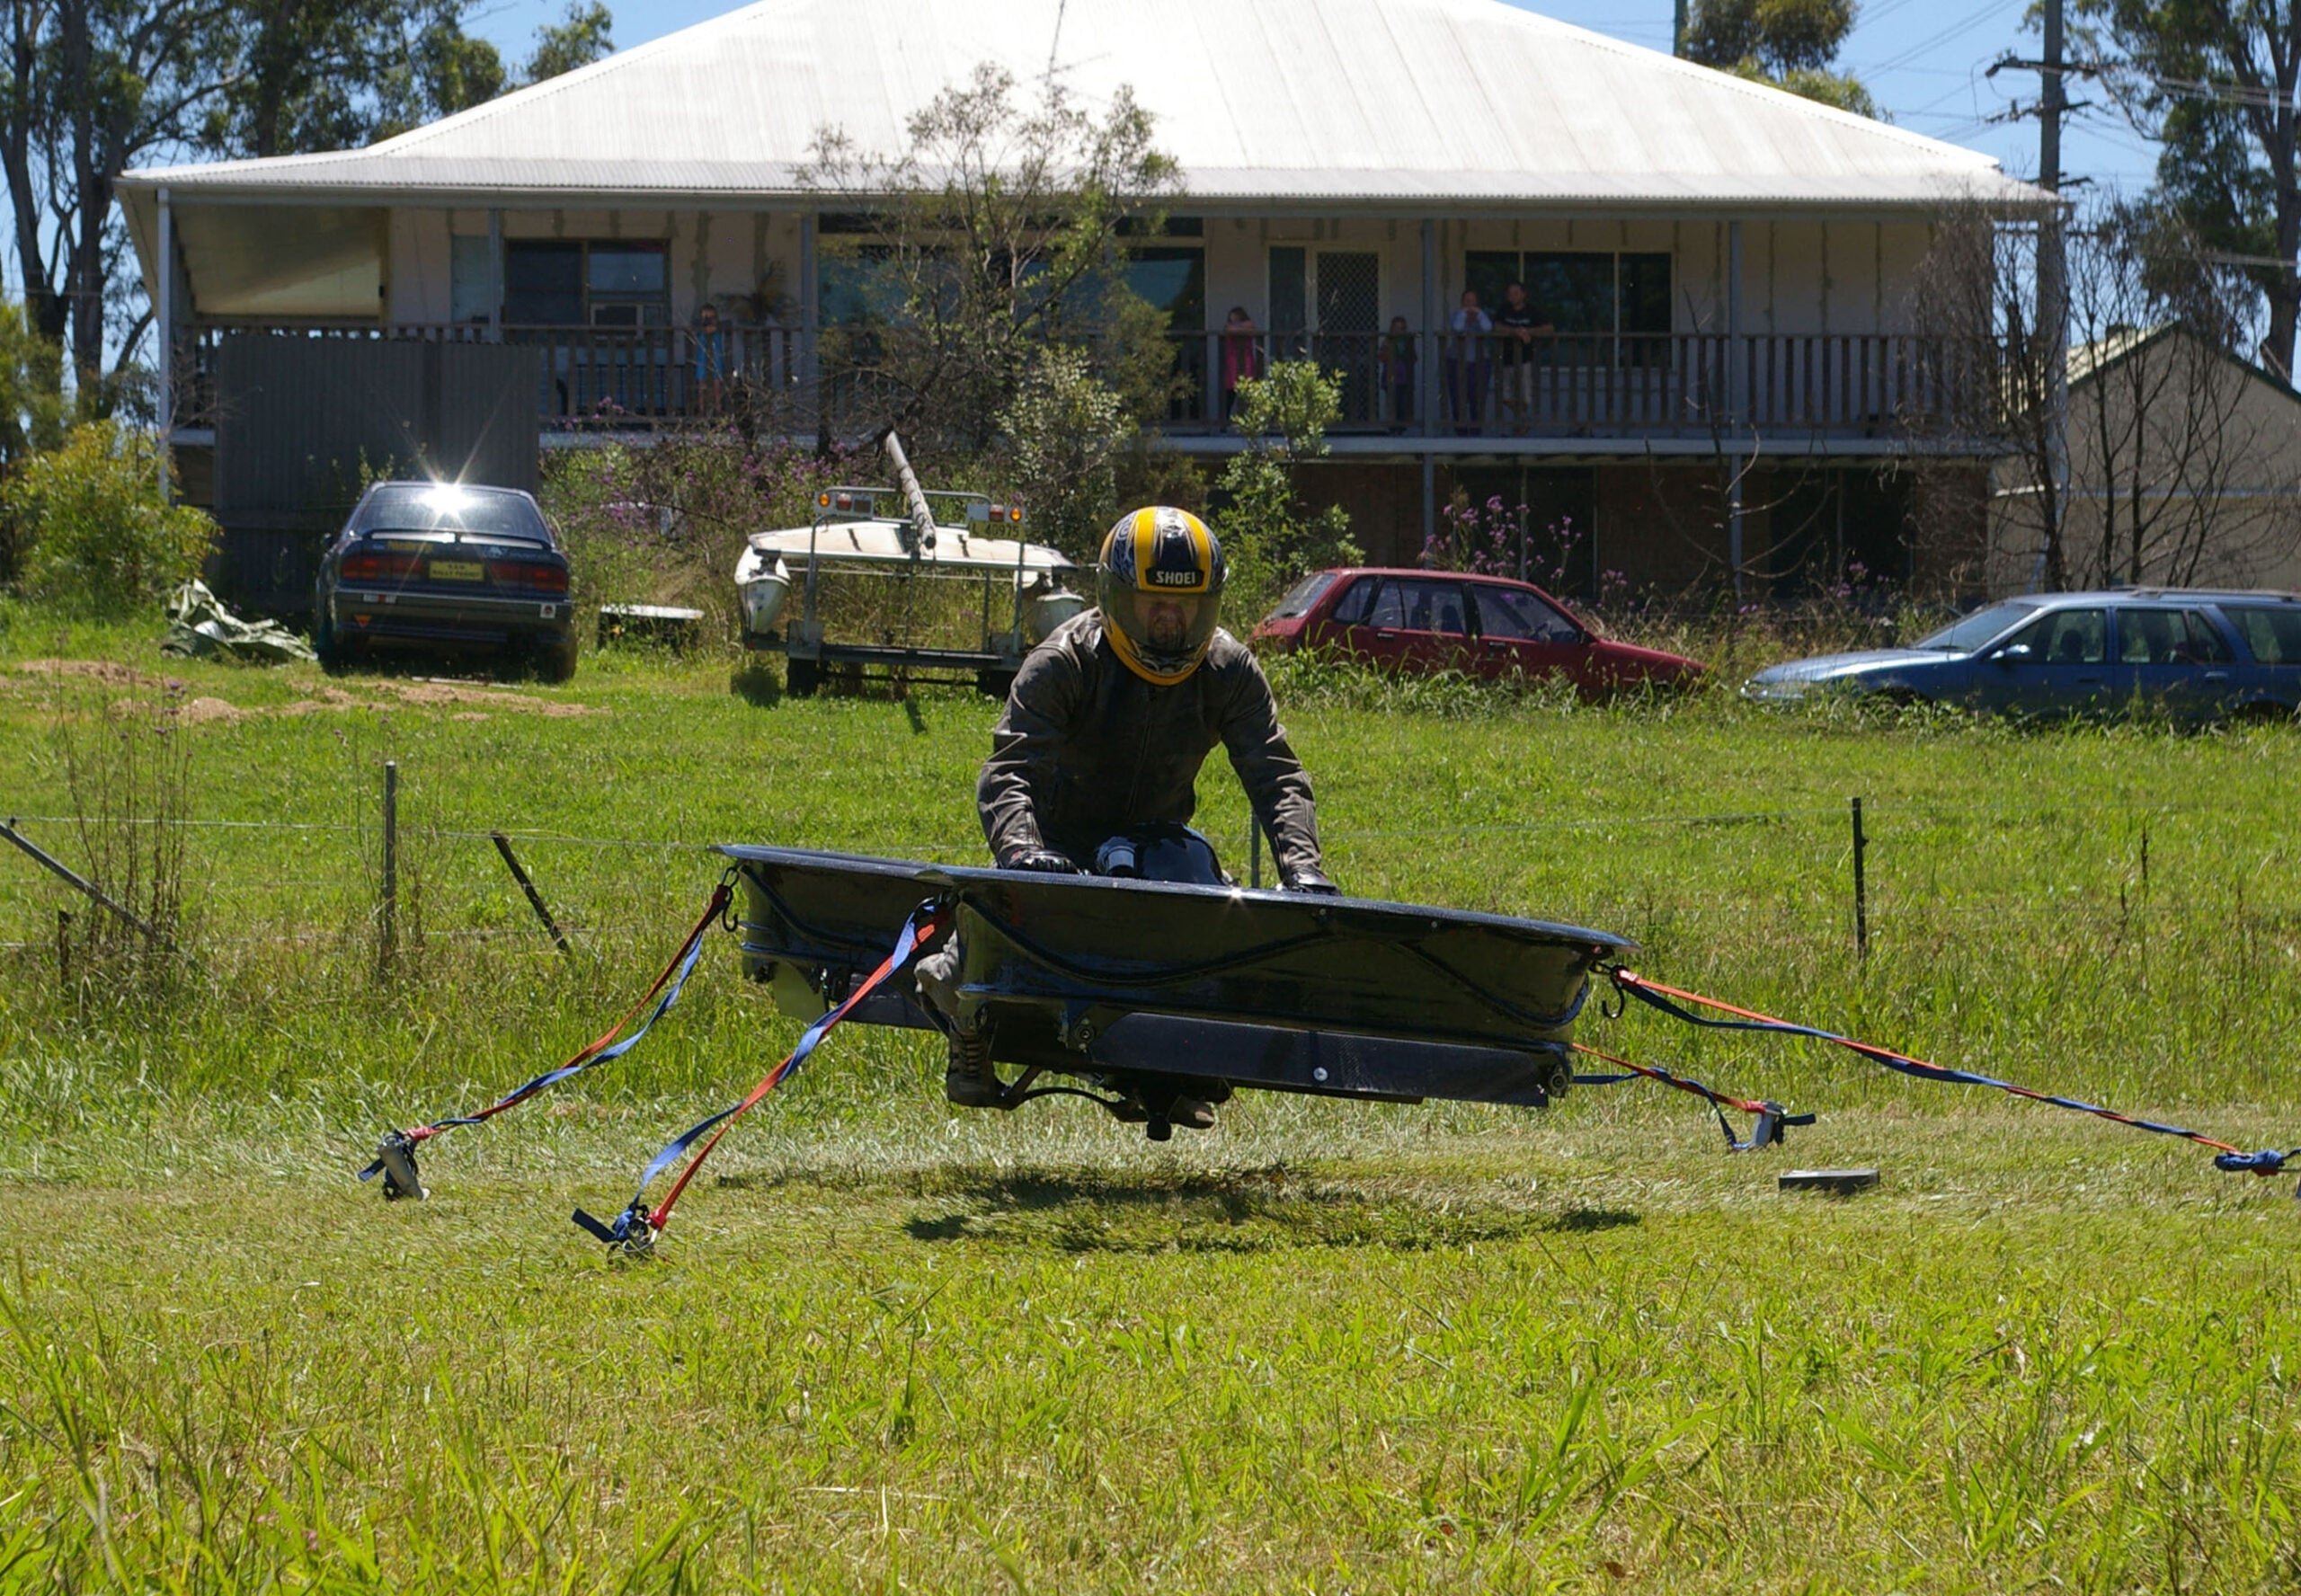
1169	631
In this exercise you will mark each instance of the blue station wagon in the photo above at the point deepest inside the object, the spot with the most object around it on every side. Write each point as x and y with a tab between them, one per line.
2192	655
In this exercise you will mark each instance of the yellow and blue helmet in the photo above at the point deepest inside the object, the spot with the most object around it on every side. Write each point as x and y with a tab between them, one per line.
1159	583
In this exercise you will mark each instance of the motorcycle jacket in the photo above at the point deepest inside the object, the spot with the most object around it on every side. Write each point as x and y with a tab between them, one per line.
1087	748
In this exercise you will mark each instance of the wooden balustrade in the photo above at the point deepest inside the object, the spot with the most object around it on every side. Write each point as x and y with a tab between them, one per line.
1561	386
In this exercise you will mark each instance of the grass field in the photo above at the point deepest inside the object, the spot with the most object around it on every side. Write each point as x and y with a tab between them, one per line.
1321	1348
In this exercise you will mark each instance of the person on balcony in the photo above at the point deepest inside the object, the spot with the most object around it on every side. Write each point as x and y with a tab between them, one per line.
1517	327
710	361
1241	356
1398	357
1466	365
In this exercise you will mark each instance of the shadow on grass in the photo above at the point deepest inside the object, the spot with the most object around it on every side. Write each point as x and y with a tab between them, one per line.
482	665
1583	1222
1253	1211
756	684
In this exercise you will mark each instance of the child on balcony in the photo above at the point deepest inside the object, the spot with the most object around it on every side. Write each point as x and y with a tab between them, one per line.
1397	373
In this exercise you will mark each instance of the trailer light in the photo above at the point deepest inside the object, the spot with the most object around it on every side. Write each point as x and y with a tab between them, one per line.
823	500
362	567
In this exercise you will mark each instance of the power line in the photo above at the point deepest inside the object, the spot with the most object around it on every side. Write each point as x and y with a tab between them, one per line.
1912	53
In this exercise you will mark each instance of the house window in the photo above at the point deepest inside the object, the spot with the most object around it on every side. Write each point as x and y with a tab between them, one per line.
1588	292
1173	278
607	283
629	284
471	278
858	285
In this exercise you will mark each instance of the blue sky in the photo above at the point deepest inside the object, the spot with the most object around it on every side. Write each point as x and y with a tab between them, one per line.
1923	59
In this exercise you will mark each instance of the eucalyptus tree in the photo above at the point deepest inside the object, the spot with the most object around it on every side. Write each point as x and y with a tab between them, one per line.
2213	82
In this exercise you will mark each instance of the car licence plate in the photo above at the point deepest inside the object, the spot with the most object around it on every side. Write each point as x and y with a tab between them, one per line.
457	571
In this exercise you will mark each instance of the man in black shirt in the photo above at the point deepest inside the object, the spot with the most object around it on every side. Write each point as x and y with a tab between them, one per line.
1516	324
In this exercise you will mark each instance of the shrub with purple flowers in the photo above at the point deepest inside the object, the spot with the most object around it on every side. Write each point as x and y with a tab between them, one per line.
1498	539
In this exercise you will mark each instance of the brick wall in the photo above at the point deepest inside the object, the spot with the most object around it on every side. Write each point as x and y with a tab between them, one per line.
1661	525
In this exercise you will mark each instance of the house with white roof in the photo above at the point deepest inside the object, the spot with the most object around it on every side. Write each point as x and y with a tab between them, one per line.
1727	268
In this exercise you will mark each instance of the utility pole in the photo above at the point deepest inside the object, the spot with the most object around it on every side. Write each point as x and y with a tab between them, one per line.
1678	32
2051	333
2053	273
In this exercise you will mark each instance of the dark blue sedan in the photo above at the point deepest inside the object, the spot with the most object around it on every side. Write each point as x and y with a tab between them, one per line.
441	566
2192	655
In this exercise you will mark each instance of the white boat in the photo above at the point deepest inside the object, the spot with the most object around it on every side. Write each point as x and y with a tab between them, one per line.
910	534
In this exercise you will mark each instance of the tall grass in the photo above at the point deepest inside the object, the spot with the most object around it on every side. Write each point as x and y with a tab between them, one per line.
124	760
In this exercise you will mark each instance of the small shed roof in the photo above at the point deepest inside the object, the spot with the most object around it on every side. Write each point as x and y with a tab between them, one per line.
1409	106
2086	363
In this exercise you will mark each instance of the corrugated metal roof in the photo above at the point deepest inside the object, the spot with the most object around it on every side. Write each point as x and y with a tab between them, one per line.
1444	104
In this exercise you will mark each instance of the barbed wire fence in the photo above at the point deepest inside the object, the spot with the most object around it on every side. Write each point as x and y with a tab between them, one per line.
1835	875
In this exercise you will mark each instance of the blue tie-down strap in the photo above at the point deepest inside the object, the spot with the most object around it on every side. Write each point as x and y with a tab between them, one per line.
2268	1161
635	1228
395	1154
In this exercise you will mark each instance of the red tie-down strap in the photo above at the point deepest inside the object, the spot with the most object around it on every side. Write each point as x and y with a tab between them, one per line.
634	1229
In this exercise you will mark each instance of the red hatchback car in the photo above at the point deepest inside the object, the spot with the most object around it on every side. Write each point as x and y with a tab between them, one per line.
1488	626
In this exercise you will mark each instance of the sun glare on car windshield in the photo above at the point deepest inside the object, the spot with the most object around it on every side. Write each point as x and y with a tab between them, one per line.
445	499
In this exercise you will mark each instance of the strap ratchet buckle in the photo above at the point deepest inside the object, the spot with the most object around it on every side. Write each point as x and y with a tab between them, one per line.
1772	1125
632	1234
395	1162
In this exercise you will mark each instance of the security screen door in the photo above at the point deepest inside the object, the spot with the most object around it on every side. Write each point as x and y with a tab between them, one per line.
1349	300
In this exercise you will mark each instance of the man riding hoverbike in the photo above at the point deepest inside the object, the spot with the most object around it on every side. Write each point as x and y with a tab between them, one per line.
1094	765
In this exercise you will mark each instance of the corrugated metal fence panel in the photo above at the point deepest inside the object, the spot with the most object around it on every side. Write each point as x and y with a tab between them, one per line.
301	420
267	569
489	411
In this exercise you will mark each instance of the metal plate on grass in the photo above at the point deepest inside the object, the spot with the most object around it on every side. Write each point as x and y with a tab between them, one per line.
1842	1182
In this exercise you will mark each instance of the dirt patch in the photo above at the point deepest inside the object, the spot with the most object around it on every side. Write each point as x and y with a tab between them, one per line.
325	697
472	702
201	711
109	671
435	694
